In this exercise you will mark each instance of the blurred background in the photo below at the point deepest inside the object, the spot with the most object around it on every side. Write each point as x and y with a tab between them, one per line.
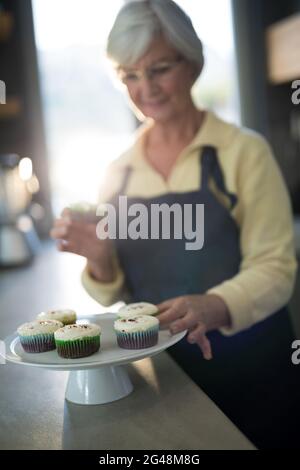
61	110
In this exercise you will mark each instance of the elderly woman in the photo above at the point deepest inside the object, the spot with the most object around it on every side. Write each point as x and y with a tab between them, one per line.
231	294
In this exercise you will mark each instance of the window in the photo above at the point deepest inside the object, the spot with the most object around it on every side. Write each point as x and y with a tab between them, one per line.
88	121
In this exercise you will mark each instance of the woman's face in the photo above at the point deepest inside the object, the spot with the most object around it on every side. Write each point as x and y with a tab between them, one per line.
159	84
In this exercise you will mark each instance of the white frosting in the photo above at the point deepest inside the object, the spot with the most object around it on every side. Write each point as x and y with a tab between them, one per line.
72	332
138	308
136	323
63	315
39	327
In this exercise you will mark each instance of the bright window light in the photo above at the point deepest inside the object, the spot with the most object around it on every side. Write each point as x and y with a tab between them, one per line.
88	121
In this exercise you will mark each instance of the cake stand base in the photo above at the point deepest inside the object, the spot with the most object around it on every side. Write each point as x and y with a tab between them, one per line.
98	386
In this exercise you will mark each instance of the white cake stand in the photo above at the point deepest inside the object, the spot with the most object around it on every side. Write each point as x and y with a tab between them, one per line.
100	378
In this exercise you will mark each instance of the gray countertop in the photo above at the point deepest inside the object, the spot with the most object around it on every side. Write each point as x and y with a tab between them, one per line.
166	409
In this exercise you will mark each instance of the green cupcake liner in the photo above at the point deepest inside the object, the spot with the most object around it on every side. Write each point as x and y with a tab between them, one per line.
78	348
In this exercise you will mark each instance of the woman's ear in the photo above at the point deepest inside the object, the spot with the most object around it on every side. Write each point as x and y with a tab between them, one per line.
196	70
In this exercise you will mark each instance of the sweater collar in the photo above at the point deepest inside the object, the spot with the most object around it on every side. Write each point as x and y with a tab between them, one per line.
213	132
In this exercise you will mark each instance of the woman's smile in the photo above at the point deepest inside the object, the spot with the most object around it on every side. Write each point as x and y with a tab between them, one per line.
155	103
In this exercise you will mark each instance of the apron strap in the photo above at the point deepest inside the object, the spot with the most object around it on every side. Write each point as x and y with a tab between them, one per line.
210	167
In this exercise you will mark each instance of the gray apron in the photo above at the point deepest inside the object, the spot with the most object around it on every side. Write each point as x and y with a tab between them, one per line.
251	377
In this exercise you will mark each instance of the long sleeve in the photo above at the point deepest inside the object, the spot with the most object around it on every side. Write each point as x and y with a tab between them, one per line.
267	272
106	293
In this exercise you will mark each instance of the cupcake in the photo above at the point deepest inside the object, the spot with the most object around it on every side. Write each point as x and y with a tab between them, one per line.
66	316
84	211
138	308
38	336
137	332
74	341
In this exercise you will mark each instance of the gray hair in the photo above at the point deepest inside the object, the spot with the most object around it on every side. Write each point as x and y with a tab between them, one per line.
139	22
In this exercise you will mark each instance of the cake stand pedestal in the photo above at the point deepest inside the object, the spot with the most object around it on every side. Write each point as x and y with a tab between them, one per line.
98	386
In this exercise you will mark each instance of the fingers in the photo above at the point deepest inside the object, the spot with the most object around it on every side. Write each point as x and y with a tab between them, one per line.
62	245
171	309
67	246
79	237
185	323
59	232
165	305
61	228
169	315
65	226
181	316
198	336
63	222
205	347
66	212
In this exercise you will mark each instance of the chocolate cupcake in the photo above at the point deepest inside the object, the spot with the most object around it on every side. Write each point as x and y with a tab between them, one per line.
75	341
38	336
137	332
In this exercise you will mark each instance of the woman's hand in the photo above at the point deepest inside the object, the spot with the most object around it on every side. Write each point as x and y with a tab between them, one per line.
78	236
196	313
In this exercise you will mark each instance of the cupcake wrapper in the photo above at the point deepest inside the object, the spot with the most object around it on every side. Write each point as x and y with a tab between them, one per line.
78	348
137	340
38	343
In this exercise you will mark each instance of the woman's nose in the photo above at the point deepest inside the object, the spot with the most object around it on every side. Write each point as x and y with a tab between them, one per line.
148	86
